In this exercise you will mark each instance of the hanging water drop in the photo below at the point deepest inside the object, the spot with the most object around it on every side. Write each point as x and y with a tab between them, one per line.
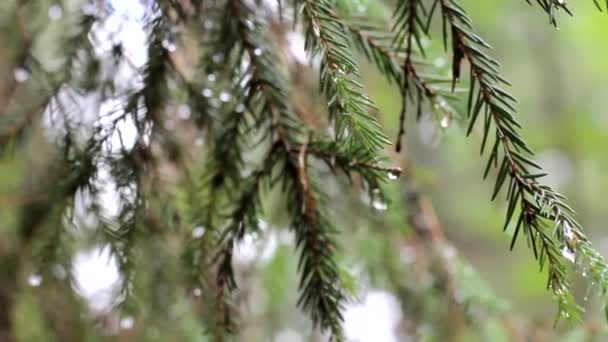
257	52
394	173
379	205
211	78
240	108
568	254
568	233
445	121
197	292
34	280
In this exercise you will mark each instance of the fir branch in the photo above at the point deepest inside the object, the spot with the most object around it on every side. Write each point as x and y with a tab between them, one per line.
540	206
387	52
322	294
326	36
411	16
552	6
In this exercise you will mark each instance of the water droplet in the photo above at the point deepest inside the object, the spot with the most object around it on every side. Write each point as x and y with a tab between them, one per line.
21	74
55	12
207	92
394	174
208	24
224	96
568	254
257	52
198	232
184	112
127	323
445	121
568	233
199	141
240	108
211	77
197	292
34	280
168	45
379	205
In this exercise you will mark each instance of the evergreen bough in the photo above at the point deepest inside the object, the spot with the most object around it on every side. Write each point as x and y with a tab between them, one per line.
239	49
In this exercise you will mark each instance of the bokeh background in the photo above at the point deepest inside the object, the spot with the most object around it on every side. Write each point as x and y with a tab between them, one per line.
559	77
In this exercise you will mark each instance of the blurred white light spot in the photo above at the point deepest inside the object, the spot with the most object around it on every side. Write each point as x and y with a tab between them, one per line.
197	292
224	96
96	277
55	12
21	74
198	232
373	320
127	323
296	47
184	112
207	92
439	62
34	280
445	121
